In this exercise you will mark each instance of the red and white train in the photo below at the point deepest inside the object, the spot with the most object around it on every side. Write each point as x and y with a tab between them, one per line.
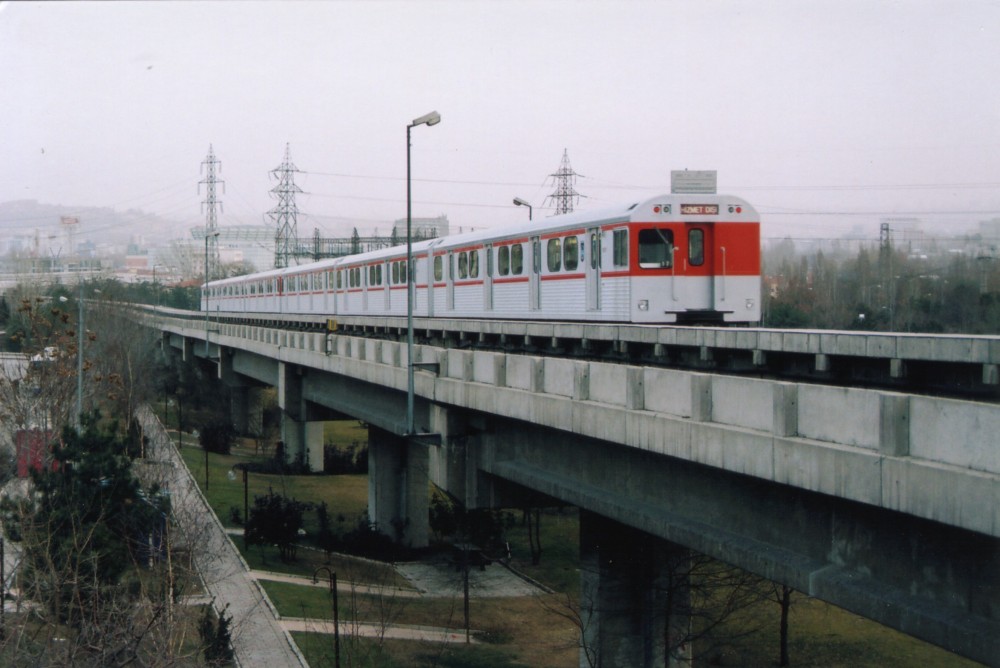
676	258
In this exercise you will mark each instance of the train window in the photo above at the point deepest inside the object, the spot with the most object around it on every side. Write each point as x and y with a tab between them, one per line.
451	266
395	273
571	253
655	248
620	248
696	246
378	274
474	264
402	271
438	268
463	265
516	259
595	250
503	260
555	255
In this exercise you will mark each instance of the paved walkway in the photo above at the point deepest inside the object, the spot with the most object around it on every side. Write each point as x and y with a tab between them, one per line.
258	638
395	632
342	585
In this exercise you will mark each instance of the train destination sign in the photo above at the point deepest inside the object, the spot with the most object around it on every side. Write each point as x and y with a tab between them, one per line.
700	209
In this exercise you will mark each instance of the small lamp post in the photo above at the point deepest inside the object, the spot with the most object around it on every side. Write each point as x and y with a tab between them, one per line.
79	354
207	293
336	612
523	202
246	497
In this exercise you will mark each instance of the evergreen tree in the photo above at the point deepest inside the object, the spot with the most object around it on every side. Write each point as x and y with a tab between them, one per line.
88	520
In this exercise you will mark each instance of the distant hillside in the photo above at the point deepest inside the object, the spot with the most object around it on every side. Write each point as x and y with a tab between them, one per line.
100	225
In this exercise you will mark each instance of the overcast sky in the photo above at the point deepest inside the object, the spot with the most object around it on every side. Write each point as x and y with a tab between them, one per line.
826	115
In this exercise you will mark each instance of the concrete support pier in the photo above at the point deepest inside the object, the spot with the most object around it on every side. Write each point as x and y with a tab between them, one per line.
626	590
398	487
303	438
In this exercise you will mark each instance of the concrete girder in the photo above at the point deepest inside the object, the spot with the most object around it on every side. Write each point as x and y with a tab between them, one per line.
937	583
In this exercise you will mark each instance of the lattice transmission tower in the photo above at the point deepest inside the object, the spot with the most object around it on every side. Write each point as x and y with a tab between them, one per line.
565	195
209	166
285	214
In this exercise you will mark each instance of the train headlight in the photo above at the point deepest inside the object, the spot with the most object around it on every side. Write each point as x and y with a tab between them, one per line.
749	304
643	304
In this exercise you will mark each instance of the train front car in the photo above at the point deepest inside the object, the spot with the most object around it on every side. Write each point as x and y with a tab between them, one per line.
693	259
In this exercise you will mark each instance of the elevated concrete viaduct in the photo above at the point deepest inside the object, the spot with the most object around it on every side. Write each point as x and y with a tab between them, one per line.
884	503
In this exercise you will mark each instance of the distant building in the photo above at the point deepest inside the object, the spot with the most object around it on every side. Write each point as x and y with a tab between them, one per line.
907	233
253	244
421	228
989	236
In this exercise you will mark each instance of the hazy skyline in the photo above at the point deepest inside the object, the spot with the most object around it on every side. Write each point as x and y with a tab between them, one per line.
824	115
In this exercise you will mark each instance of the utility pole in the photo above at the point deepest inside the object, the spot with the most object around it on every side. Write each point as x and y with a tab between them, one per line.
885	264
565	195
209	166
285	214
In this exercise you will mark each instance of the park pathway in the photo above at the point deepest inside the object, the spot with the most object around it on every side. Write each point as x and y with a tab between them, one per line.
258	638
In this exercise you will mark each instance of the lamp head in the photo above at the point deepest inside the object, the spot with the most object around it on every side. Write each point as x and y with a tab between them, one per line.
520	202
433	118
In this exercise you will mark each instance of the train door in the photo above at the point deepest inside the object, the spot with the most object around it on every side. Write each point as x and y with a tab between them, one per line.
336	285
311	280
386	269
700	294
430	274
535	275
488	279
592	270
450	282
365	283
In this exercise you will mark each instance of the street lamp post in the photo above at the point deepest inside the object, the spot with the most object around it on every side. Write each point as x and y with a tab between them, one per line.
522	202
207	237
156	290
433	118
336	612
246	497
79	354
79	359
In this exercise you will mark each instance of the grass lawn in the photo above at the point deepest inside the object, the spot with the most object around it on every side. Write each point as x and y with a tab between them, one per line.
526	631
318	650
346	496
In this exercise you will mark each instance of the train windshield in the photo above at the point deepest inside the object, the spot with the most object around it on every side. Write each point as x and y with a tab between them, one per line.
656	248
